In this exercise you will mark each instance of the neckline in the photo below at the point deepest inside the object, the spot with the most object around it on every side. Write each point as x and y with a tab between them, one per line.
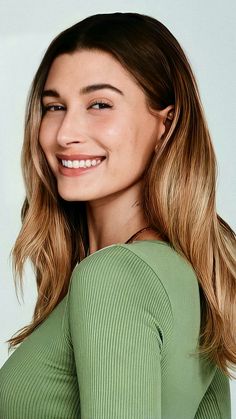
146	240
132	238
130	244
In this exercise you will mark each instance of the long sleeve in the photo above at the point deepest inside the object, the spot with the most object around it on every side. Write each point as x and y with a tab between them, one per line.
216	402
118	314
122	344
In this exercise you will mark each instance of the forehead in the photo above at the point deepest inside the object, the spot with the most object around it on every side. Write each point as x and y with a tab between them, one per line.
87	66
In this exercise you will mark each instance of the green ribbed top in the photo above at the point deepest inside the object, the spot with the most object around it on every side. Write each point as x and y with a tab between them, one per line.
120	345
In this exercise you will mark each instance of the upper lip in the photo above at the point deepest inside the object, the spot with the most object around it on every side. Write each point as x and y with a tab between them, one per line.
77	156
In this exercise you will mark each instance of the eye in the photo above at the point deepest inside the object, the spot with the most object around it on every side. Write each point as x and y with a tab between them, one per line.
98	104
53	108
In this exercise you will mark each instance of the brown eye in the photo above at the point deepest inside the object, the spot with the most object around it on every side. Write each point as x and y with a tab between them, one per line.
100	105
53	108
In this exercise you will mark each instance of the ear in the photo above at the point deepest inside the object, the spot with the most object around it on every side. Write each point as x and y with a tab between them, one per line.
165	117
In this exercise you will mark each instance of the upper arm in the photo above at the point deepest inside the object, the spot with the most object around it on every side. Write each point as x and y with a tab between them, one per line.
117	330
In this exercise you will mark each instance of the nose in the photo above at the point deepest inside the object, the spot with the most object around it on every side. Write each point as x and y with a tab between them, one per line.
71	129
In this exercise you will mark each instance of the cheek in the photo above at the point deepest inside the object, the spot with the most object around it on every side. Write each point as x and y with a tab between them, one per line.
129	141
129	158
134	151
46	134
118	134
109	132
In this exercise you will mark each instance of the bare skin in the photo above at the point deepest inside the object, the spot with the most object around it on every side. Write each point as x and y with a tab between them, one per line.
119	212
113	128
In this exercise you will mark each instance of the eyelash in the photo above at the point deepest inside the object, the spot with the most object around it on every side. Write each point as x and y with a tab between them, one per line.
54	108
100	102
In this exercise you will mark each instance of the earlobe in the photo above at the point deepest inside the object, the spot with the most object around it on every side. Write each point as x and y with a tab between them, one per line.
170	115
167	117
167	113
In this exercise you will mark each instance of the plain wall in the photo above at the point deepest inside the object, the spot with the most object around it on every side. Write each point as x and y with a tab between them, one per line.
205	29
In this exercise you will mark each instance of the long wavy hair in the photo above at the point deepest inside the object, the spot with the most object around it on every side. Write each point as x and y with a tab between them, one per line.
179	184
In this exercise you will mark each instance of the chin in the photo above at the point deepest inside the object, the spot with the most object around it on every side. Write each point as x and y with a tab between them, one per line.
73	195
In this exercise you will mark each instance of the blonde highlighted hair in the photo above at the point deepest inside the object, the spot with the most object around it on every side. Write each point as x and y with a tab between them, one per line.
179	185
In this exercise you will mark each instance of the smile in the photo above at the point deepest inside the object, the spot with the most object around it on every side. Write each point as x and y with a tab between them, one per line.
75	164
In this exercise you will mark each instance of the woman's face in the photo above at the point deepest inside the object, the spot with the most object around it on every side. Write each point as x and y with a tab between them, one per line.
97	132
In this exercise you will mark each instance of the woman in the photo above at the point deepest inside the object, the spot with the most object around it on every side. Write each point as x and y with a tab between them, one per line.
120	176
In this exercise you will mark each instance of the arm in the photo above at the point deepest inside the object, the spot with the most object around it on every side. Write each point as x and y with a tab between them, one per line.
216	401
117	336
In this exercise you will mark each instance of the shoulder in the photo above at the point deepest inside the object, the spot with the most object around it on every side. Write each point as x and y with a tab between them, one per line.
152	256
113	264
170	266
140	260
152	269
175	274
145	250
146	279
149	270
116	279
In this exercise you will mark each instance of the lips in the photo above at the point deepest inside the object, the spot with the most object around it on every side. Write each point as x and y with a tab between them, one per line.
76	165
78	157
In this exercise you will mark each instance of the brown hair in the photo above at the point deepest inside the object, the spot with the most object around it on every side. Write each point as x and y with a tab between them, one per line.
179	191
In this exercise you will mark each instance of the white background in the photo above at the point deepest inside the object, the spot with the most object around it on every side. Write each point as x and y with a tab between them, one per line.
205	29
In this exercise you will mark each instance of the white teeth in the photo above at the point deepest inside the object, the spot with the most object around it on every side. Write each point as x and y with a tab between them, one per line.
80	163
75	164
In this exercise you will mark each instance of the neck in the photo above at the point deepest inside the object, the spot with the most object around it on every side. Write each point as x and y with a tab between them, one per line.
114	219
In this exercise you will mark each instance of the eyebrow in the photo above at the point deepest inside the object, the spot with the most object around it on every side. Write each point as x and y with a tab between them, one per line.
84	90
